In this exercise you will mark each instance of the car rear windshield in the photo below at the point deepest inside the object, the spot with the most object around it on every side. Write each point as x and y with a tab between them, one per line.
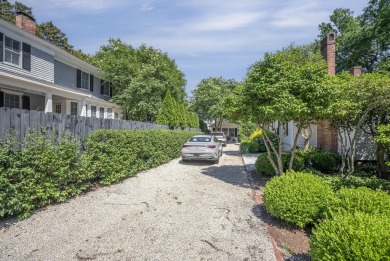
218	133
200	139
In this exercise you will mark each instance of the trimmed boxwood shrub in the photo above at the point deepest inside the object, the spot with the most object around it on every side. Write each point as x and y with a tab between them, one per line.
361	199
297	197
323	161
264	166
248	146
352	236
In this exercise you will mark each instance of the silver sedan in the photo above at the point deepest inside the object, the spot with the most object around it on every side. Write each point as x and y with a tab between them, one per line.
202	147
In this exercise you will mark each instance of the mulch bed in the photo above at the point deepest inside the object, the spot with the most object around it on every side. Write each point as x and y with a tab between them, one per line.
292	242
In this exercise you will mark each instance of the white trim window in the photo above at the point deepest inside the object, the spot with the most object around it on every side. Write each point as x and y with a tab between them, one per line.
12	51
73	108
106	88
84	80
93	111
11	100
101	112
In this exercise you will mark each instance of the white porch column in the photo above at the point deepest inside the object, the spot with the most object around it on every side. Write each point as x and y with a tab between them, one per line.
83	108
48	102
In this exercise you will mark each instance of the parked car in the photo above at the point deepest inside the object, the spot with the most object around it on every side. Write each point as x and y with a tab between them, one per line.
221	136
202	147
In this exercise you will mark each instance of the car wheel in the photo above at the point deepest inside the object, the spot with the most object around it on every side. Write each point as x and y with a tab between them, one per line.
216	161
220	153
184	160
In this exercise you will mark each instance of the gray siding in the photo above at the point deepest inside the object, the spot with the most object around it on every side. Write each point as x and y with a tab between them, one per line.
42	66
96	89
65	75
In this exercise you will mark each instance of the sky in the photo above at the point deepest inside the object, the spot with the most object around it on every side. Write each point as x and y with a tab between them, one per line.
206	38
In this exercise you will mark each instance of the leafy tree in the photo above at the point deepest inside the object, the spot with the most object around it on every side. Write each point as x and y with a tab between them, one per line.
141	78
362	40
7	11
51	33
208	100
284	86
168	114
357	99
20	7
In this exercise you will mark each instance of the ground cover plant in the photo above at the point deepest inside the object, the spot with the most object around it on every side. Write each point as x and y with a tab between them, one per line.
46	169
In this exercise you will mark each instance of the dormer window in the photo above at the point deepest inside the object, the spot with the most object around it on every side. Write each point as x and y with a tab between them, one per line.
12	51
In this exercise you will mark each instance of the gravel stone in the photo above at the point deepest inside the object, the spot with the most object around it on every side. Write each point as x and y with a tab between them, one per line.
177	211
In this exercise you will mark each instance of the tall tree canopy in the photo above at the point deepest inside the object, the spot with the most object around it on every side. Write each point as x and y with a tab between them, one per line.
141	78
284	86
361	40
358	100
208	98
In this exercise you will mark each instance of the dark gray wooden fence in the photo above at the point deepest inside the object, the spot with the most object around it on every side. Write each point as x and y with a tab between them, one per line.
21	121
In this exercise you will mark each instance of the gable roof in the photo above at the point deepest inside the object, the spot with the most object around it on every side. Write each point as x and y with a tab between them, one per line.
57	52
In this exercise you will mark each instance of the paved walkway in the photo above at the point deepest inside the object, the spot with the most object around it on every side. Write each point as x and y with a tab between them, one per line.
177	211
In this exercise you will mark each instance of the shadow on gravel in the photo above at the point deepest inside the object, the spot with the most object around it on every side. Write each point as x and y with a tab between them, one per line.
197	163
231	174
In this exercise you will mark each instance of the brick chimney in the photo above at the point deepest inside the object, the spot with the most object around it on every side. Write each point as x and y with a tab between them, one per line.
26	23
327	138
356	70
328	50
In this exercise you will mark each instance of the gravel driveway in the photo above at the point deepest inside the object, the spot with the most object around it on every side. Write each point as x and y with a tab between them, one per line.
178	211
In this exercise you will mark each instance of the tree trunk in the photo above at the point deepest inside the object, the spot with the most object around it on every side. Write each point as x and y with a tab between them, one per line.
383	172
306	135
293	149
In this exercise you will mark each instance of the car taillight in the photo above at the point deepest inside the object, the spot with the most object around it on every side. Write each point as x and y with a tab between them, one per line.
186	146
211	146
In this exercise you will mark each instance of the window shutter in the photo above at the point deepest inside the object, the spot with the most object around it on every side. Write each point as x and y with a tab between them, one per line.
91	82
1	46
1	99
101	86
25	103
78	83
110	90
26	60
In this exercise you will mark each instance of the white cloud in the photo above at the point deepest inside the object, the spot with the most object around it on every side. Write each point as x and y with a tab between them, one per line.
224	22
147	6
82	6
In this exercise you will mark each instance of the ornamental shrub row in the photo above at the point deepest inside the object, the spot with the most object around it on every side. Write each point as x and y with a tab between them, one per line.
325	162
349	224
45	169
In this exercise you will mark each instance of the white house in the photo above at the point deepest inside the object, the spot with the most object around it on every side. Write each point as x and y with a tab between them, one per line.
36	75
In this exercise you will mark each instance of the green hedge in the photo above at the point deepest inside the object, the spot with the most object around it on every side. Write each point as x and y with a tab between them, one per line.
351	236
248	146
361	199
47	169
272	136
264	166
114	154
296	197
